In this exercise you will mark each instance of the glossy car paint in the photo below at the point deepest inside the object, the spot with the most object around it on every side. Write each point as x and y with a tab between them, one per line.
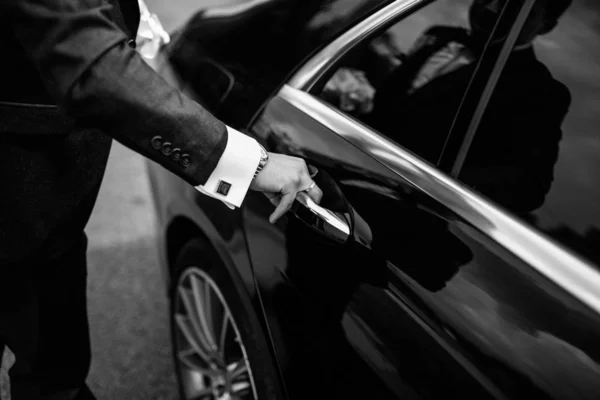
422	303
454	307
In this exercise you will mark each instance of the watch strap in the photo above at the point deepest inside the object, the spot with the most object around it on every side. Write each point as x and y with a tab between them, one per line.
264	158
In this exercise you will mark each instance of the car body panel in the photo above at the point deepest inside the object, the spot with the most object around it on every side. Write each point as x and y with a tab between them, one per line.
438	294
464	317
329	275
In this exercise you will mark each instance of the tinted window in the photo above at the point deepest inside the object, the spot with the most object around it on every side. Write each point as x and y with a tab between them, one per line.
294	29
537	150
409	82
275	34
237	57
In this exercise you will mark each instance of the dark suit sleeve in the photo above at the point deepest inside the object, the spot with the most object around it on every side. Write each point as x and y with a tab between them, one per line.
86	65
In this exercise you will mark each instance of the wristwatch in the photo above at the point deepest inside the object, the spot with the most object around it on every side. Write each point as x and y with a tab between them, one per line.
264	158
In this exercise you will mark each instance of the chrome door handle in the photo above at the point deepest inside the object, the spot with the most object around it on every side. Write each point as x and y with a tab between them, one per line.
321	219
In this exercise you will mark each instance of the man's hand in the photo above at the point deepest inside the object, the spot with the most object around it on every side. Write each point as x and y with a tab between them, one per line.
281	179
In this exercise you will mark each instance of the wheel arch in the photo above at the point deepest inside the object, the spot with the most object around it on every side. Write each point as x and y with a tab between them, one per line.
180	231
184	228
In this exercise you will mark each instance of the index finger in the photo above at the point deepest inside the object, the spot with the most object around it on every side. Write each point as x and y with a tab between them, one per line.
284	205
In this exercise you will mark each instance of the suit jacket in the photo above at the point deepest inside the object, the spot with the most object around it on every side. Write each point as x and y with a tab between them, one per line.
512	157
74	53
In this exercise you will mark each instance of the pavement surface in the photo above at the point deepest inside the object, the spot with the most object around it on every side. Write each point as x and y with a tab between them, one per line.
126	295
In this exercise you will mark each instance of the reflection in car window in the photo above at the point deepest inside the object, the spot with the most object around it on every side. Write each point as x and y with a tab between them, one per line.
537	150
409	82
236	57
324	20
297	28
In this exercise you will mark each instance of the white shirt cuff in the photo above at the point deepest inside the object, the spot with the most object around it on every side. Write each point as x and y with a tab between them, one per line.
230	180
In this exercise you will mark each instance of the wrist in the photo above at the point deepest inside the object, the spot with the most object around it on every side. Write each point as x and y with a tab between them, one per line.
264	159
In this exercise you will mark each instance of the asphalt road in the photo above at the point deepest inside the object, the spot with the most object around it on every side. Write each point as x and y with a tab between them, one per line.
126	296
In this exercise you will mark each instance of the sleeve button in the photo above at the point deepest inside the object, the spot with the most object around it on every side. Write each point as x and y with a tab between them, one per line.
167	148
157	142
131	43
185	160
176	155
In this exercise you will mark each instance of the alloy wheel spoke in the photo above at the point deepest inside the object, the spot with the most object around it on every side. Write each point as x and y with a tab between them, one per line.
210	323
193	313
237	369
217	311
186	358
203	310
238	387
187	332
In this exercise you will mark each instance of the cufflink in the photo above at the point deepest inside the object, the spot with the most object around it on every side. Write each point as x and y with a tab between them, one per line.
223	188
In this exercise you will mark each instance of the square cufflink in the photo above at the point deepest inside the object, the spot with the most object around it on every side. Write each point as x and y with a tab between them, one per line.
223	188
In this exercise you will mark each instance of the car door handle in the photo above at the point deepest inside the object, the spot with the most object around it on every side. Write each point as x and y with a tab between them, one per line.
326	222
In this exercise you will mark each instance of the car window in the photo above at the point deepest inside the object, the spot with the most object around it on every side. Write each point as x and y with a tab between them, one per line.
259	43
314	23
537	149
409	82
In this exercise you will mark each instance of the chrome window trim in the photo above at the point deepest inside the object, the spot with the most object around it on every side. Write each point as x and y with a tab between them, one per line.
507	48
575	276
307	76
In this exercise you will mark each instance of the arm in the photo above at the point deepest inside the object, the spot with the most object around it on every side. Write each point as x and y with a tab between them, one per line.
91	72
88	68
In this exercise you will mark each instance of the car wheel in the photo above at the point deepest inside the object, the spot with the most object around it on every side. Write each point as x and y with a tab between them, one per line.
219	352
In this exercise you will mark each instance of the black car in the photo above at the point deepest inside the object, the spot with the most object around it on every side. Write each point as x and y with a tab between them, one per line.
455	252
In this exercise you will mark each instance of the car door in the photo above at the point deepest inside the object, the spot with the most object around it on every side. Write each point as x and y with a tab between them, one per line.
430	295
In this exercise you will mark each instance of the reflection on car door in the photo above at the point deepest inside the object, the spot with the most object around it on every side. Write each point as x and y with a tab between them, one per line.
429	307
354	315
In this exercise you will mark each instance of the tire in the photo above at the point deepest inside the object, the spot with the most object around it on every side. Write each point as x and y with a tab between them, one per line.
198	272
